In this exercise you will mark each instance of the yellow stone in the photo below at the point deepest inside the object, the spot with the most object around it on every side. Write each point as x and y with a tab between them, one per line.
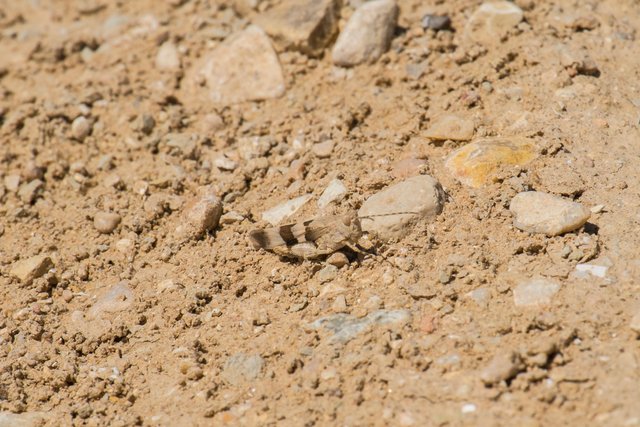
478	163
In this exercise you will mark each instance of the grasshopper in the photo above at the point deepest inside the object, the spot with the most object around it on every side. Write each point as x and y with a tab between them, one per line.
310	239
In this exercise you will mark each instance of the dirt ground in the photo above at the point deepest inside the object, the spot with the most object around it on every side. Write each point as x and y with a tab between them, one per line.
136	326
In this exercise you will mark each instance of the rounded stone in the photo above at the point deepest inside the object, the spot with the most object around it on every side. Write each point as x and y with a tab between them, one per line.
201	215
537	212
80	128
391	212
106	222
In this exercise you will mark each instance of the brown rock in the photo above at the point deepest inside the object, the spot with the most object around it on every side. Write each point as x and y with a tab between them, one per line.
29	269
200	215
304	25
106	222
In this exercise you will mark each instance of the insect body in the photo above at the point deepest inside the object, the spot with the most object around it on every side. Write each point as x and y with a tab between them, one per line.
310	239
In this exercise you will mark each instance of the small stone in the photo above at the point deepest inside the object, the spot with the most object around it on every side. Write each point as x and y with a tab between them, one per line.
328	273
597	209
145	124
224	163
477	164
32	268
390	212
635	324
200	215
284	210
537	212
29	192
367	34
261	318
12	182
32	171
141	187
106	222
492	21
242	367
583	270
534	292
24	419
503	367
334	192
307	26
323	149
339	304
231	217
116	298
168	58
242	68
80	128
338	259
211	123
409	167
480	296
421	290
451	127
436	22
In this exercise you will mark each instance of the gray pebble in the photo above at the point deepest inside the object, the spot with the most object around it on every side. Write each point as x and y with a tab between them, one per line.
346	327
242	367
436	22
502	367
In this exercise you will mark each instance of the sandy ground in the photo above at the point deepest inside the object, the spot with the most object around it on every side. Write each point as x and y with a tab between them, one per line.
138	325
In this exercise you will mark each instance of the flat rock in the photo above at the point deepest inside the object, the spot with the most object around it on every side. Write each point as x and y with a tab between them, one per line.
242	68
106	222
534	292
201	215
242	367
492	21
284	210
31	268
307	26
390	212
452	127
367	34
537	212
116	298
346	327
334	192
478	163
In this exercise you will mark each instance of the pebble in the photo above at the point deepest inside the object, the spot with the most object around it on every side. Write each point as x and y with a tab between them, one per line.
116	298
307	26
168	57
224	163
335	192
242	367
346	327
12	182
537	212
30	191
583	270
635	324
477	163
367	34
421	290
106	222
502	367
436	22
534	292
452	127
390	212
32	171
80	128
480	296
339	304
328	273
32	268
492	21
323	149
408	167
242	68
279	213
337	259
200	215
